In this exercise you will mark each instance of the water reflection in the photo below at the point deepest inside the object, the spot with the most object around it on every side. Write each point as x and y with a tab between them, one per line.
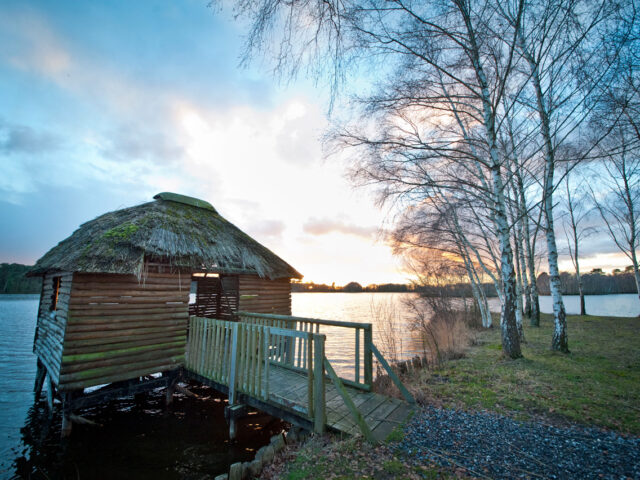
140	438
374	308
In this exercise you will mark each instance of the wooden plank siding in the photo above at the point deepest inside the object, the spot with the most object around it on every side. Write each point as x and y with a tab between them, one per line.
264	296
120	328
47	344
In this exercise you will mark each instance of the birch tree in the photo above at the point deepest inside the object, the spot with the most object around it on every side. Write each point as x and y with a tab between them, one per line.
617	199
407	138
437	225
617	195
576	213
558	41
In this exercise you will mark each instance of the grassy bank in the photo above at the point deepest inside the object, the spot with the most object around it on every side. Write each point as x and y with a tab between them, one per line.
598	383
334	457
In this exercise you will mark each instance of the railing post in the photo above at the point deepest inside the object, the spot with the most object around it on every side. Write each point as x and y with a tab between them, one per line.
267	344
234	364
368	355
233	379
319	414
357	347
309	362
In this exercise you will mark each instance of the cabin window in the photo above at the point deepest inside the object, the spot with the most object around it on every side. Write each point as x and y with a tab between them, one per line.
55	293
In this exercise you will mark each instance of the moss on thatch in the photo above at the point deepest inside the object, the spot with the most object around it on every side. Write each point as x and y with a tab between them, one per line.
180	234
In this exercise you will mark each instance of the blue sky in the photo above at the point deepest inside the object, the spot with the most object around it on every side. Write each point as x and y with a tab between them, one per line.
104	104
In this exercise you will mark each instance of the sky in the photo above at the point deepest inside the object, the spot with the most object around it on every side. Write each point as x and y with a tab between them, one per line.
105	104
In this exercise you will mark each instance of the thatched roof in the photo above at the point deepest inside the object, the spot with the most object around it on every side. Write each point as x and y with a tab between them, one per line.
185	232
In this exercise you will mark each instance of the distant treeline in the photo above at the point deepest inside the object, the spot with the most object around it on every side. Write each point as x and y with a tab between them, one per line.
350	287
594	283
454	290
13	280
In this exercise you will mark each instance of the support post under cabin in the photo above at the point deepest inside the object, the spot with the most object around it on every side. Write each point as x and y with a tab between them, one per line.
50	394
67	425
41	373
172	380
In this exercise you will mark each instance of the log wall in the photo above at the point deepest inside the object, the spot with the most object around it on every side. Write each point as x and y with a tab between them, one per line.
119	328
47	344
264	296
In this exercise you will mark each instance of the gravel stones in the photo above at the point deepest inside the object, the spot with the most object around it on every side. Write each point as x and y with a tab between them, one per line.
488	445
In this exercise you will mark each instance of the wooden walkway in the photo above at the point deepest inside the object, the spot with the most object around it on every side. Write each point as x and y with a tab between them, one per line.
277	364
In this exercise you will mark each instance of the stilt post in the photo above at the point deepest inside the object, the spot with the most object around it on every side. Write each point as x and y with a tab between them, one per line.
67	424
41	373
50	394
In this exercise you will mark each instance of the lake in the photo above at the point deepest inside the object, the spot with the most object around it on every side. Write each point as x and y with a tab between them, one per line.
139	437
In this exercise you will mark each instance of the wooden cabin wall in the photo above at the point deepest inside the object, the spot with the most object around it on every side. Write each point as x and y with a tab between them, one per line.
47	344
119	328
264	296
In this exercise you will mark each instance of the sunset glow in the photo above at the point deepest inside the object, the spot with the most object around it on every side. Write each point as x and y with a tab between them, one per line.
93	119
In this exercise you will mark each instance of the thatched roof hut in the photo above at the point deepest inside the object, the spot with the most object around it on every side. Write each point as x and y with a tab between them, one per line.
116	300
184	232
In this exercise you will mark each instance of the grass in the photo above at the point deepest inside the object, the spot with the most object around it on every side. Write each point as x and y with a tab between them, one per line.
338	458
598	383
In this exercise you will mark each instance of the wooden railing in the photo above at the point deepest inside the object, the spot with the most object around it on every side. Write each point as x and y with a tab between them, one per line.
241	355
361	333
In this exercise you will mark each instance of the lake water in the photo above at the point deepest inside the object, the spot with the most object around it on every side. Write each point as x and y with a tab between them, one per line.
139	437
618	305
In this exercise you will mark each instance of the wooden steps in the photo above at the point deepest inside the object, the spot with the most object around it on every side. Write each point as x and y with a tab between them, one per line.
381	413
284	371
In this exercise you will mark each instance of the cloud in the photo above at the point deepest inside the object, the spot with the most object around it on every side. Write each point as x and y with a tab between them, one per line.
130	142
27	43
266	228
325	226
24	139
301	125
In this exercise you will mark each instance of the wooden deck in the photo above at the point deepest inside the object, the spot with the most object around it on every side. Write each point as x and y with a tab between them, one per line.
277	364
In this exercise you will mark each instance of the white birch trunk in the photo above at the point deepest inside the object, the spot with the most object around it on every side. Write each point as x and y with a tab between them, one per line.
509	330
559	341
636	270
478	293
518	291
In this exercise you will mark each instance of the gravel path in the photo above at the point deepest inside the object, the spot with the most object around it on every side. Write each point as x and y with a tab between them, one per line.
488	445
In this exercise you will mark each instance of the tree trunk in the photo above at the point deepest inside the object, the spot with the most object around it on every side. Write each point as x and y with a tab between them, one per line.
636	270
520	308
525	282
508	327
583	309
533	309
478	293
559	341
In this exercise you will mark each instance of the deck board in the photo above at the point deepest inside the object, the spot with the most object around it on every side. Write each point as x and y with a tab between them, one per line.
289	390
282	387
